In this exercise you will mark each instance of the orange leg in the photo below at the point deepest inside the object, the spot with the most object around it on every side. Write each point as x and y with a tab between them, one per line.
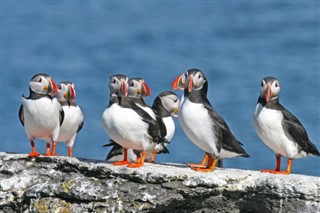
286	172
278	158
139	164
202	164
138	160
210	166
70	151
34	152
48	153
53	153
154	153
125	159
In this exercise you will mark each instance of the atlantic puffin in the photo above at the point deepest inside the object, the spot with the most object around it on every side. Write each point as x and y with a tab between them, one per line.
165	105
278	128
73	116
128	124
202	123
41	113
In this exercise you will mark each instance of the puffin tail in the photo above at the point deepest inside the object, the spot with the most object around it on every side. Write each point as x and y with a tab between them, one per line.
313	149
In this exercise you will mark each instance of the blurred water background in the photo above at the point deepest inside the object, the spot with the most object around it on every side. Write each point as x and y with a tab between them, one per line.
234	43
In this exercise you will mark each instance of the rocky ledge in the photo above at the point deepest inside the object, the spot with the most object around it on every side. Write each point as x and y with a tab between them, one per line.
62	184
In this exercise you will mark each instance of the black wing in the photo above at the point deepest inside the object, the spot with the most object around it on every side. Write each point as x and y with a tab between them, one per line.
162	126
226	139
153	129
292	125
115	151
21	115
61	116
81	124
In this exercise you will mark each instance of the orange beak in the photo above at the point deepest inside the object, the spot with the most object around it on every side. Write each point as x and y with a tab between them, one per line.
176	82
72	92
54	87
190	83
268	92
146	89
124	88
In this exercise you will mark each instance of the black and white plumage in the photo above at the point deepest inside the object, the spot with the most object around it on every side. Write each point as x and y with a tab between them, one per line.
41	113
165	105
73	116
278	128
202	123
128	124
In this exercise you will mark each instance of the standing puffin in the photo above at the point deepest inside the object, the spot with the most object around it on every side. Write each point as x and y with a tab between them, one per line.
165	105
129	125
278	128
41	113
73	117
202	123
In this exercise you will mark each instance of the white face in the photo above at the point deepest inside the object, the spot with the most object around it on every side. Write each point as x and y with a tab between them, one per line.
171	103
40	84
66	92
272	85
198	81
116	85
134	89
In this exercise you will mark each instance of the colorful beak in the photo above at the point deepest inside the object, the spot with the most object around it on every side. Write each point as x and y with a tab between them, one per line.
176	85
53	87
124	87
190	83
146	89
268	93
71	92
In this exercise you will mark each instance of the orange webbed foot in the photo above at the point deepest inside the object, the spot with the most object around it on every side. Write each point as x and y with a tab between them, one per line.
121	163
135	165
195	165
198	169
33	154
275	172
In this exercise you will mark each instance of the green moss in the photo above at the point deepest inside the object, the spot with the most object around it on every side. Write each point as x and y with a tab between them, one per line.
65	207
40	206
66	185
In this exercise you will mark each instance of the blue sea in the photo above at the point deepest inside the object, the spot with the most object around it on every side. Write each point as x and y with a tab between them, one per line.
234	43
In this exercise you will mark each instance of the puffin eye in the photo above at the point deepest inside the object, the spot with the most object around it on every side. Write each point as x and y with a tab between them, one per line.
199	76
59	87
131	84
261	84
175	100
276	84
40	80
113	81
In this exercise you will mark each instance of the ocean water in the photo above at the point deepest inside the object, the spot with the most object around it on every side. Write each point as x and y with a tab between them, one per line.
235	44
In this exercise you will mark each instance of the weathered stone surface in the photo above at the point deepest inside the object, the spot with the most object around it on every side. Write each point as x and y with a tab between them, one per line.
62	184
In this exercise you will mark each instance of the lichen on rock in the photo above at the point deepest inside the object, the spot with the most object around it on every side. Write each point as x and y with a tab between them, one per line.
63	184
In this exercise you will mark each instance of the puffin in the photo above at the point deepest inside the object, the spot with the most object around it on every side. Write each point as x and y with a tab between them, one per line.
73	116
165	105
278	128
203	125
128	124
41	113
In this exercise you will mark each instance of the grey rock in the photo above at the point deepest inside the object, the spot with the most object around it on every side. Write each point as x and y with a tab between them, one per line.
63	184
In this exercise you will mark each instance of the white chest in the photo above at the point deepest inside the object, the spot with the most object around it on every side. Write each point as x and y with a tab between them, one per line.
72	119
197	125
170	127
126	127
41	117
268	125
